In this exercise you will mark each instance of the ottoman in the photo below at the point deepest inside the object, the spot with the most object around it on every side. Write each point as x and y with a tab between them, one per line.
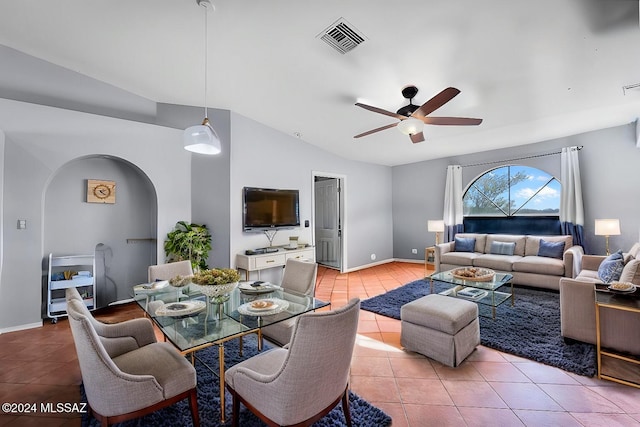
443	328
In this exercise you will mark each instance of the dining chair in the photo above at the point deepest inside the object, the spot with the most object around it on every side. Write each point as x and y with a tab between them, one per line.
300	384
126	374
169	270
299	278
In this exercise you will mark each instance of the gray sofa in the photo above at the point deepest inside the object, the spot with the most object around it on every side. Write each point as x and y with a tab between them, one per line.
577	306
525	265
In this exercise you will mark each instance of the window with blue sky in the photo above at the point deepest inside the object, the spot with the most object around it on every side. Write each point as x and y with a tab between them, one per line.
513	190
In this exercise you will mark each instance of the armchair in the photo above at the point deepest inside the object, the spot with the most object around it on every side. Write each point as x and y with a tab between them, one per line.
125	372
300	384
299	277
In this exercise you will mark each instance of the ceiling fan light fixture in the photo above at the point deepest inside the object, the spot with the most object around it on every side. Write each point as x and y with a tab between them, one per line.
411	126
202	139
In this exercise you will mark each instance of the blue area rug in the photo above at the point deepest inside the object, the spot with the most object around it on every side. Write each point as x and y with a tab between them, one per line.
362	412
530	329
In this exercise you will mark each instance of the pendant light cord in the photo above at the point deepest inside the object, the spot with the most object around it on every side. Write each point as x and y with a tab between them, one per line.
206	57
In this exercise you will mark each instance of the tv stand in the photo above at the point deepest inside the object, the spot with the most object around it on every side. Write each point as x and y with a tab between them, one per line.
276	257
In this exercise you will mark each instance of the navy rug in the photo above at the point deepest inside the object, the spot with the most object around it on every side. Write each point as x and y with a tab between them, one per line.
362	412
530	329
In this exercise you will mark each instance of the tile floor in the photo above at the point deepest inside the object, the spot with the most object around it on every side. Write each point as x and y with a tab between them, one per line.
489	389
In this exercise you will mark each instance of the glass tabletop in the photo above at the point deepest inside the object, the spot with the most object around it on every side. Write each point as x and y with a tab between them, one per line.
215	323
498	280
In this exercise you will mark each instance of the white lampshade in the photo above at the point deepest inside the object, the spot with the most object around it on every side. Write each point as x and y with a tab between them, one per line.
607	227
435	225
411	126
202	139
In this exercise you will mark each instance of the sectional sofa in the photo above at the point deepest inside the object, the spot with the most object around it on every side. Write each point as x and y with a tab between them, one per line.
538	261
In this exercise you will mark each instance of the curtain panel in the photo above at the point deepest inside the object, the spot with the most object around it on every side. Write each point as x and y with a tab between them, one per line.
571	207
453	210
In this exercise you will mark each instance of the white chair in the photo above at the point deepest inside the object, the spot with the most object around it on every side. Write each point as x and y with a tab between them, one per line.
300	384
170	270
299	277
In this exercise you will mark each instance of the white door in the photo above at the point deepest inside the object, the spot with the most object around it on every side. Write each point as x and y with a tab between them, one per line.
328	227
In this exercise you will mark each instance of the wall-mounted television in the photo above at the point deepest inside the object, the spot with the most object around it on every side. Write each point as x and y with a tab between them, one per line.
268	208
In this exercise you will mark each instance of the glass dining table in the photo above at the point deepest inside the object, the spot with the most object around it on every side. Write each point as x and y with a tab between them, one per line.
192	321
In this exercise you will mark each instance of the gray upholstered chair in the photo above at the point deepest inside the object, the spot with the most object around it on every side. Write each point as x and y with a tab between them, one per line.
299	277
300	384
125	372
170	270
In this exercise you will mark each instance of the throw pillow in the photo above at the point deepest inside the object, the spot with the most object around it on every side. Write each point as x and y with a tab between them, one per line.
611	268
551	249
464	244
503	248
631	272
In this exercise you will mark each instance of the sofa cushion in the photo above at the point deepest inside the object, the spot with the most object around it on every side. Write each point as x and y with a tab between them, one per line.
464	244
459	258
519	240
631	272
551	249
496	262
611	267
590	276
532	246
503	248
539	265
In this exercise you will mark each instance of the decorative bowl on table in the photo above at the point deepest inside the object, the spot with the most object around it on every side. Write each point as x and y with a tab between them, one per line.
216	283
180	281
623	287
476	274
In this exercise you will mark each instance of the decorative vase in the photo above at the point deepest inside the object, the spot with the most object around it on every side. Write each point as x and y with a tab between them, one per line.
217	296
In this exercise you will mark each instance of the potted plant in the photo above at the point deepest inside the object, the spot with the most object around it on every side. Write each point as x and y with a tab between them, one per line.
216	283
188	241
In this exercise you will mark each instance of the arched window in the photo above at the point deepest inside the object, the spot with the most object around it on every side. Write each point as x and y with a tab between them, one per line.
513	191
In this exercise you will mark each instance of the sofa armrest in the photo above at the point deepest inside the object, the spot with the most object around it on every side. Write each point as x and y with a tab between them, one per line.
577	310
440	250
572	258
591	262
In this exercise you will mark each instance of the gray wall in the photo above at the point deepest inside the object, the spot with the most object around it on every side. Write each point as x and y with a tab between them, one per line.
608	166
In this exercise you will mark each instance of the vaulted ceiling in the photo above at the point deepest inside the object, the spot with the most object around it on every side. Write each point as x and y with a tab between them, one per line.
531	70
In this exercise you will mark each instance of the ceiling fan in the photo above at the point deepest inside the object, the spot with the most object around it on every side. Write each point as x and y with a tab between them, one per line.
413	118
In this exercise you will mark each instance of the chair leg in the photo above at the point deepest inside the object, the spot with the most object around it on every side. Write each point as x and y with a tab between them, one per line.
235	417
345	407
193	404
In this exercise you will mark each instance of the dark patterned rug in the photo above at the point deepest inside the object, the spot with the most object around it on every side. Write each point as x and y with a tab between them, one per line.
530	329
362	412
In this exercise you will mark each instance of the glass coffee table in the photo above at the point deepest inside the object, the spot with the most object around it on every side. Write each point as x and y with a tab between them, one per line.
482	292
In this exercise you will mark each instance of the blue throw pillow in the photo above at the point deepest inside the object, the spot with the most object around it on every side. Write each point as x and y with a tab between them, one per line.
611	267
465	244
551	249
503	248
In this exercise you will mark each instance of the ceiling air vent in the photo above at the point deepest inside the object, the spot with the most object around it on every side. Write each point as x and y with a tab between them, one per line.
341	36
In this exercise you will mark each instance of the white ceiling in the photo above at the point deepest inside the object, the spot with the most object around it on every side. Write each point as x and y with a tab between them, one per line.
532	70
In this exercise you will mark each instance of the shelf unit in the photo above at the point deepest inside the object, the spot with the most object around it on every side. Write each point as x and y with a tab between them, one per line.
85	283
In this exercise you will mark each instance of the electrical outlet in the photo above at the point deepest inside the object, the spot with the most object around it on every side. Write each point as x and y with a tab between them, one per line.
414	251
373	257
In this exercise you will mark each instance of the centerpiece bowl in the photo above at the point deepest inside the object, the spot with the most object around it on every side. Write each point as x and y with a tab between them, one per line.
216	283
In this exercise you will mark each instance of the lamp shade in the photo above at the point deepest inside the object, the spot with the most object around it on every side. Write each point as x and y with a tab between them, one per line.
607	227
411	126
202	139
435	225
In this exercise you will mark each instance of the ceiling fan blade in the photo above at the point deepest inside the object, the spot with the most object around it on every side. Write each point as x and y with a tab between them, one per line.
418	137
369	132
436	102
453	121
380	110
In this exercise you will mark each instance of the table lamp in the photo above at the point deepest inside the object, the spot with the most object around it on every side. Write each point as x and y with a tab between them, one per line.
436	226
606	228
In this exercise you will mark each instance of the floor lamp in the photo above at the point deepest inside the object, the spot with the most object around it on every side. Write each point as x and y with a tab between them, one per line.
436	226
606	228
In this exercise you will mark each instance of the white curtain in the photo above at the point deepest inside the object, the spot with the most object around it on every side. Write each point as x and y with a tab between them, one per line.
453	213
571	208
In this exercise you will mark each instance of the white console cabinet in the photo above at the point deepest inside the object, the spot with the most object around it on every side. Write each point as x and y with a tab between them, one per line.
258	262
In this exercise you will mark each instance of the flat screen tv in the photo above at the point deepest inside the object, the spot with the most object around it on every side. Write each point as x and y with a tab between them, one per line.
267	208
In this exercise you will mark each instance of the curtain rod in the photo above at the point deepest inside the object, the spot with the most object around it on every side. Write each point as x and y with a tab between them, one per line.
519	158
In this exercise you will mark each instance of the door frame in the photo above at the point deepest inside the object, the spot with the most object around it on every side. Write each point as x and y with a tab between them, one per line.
343	212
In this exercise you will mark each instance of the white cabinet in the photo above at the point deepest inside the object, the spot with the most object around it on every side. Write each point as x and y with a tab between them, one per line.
79	271
259	262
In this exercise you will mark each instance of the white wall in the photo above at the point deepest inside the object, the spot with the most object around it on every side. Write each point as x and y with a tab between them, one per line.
38	141
264	157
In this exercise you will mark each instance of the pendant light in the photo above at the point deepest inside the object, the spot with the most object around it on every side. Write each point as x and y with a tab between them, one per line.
203	139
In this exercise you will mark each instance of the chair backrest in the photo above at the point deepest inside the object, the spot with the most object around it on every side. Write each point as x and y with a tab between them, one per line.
109	390
300	276
169	271
316	370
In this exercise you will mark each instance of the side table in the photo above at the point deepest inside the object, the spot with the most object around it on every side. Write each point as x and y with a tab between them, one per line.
429	259
613	365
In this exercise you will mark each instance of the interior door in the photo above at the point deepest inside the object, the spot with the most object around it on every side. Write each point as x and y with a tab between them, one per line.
328	226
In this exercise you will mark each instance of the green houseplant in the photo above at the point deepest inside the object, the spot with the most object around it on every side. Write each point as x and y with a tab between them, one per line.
188	241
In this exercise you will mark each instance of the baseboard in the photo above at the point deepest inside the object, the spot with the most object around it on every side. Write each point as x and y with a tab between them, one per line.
413	261
386	261
21	327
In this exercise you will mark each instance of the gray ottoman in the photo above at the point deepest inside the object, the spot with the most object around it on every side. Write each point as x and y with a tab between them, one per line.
443	328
